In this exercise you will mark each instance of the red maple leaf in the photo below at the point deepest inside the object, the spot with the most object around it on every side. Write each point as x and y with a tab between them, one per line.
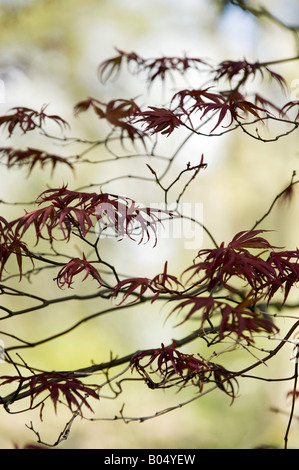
250	239
13	247
231	107
160	120
130	286
198	97
110	68
204	304
11	244
74	267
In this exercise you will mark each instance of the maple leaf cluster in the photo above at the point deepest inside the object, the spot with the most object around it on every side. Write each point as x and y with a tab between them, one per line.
232	103
27	119
32	157
220	292
153	68
217	269
170	361
127	218
11	243
119	113
69	210
163	283
66	211
58	387
74	267
263	275
183	368
229	69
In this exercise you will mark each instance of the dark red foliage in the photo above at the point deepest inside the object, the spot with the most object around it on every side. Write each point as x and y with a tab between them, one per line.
74	267
31	157
5	228
28	119
170	361
119	113
130	286
162	66
231	107
58	386
225	380
244	322
163	283
67	210
293	393
153	68
110	68
51	217
114	111
89	103
229	104
250	239
242	69
198	97
204	304
219	265
127	218
239	319
10	244
226	286
160	120
72	209
232	103
287	271
16	247
63	197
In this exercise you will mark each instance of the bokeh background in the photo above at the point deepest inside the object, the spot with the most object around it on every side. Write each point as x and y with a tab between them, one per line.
49	53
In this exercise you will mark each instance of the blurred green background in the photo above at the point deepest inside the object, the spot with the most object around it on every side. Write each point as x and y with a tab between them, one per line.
49	53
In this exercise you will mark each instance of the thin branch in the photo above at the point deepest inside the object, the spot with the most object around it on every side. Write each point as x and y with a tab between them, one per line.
284	191
293	398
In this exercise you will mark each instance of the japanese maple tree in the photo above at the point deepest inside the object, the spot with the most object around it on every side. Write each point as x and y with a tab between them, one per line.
230	296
